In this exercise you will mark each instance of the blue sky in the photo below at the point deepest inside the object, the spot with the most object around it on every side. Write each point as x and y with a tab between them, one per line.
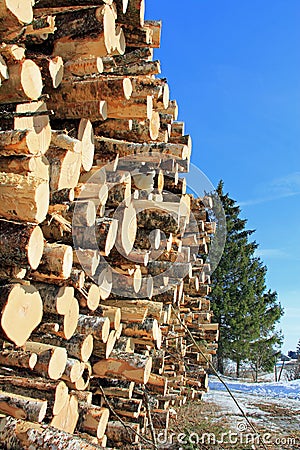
234	68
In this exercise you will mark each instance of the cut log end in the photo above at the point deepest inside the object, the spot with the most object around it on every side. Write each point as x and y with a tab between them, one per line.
127	230
86	137
93	297
32	361
35	248
56	69
22	10
61	397
87	348
57	363
22	312
127	86
67	263
31	79
154	126
149	107
71	319
120	41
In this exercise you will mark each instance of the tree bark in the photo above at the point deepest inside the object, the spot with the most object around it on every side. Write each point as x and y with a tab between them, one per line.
131	367
126	407
40	136
134	108
25	82
155	27
55	392
134	13
83	383
134	69
64	168
19	143
67	418
123	148
89	296
132	313
98	327
12	273
56	299
116	432
13	16
93	110
22	407
67	322
18	358
112	312
63	141
96	88
52	70
177	129
34	166
73	39
137	36
130	130
157	215
157	87
84	66
124	344
93	419
88	259
131	307
114	388
79	346
51	361
57	259
73	370
101	237
103	350
20	244
16	434
148	329
31	204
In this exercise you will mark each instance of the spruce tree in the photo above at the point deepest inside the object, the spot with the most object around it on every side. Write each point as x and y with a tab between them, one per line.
239	298
265	348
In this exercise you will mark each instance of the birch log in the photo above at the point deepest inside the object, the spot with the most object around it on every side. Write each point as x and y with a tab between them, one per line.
20	244
131	367
19	434
32	199
24	83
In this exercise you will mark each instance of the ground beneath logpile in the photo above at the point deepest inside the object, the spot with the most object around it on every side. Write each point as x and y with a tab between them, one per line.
217	423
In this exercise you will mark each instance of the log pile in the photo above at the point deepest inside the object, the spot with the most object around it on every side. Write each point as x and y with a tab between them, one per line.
102	255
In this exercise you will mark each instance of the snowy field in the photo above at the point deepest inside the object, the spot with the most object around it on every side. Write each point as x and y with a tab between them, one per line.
271	407
265	390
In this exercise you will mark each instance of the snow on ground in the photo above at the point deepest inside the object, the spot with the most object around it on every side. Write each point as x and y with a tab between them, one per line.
269	405
267	390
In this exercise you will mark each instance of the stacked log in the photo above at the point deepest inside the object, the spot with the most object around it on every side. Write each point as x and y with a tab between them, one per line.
102	268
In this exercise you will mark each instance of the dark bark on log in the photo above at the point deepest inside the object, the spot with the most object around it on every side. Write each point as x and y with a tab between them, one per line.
134	13
17	435
20	244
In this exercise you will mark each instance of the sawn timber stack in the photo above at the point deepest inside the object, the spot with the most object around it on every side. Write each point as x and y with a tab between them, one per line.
102	256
